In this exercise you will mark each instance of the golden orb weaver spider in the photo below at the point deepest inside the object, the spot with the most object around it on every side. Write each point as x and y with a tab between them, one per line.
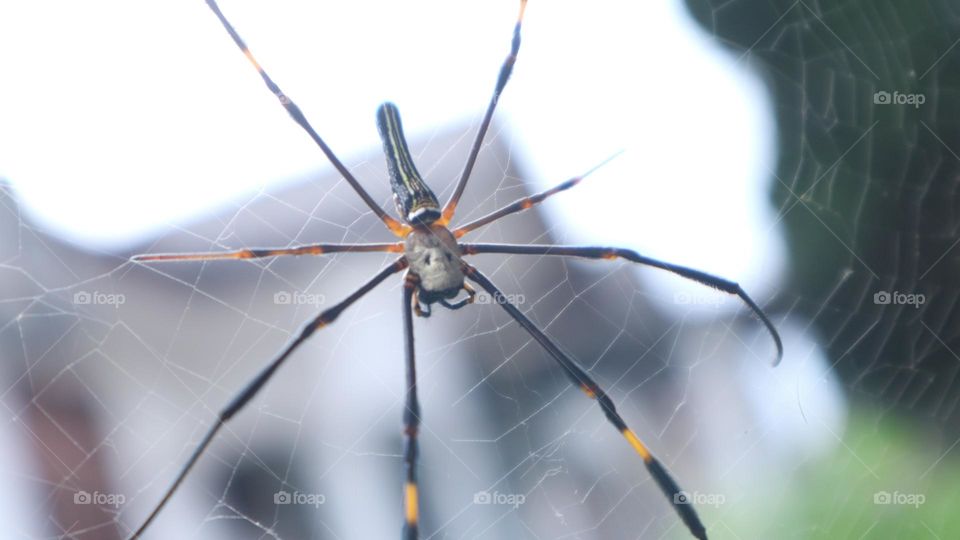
436	273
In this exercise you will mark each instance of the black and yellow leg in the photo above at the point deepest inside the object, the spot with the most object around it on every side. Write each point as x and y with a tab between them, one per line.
395	226
255	253
525	203
583	381
411	418
505	70
609	253
256	384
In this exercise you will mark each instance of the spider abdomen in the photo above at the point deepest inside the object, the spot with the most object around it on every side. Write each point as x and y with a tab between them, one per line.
415	200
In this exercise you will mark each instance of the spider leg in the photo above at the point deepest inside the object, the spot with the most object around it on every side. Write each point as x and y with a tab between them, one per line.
609	253
395	226
520	205
411	417
253	387
258	253
505	70
422	310
471	297
586	384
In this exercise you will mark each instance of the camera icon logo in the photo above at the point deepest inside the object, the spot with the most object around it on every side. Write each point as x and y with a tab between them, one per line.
82	497
82	298
881	298
681	497
882	497
482	497
282	497
882	98
282	298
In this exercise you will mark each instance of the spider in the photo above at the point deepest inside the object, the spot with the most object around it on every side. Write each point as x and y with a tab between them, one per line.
436	273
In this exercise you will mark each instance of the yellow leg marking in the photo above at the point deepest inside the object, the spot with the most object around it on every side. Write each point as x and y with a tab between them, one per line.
396	227
471	292
637	445
588	391
416	305
446	215
412	507
249	55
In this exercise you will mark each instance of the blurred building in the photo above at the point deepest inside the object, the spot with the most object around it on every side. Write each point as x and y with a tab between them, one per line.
115	371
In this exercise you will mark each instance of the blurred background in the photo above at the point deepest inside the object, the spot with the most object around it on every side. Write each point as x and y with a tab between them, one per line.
807	150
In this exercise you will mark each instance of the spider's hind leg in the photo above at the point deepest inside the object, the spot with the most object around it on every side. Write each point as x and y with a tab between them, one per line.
588	386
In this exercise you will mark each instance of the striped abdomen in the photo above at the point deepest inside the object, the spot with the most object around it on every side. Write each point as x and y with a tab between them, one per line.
415	201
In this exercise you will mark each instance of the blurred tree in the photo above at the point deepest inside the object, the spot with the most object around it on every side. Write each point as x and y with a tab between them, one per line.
865	97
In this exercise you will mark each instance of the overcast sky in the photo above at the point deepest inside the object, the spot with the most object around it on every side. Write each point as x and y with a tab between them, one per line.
122	117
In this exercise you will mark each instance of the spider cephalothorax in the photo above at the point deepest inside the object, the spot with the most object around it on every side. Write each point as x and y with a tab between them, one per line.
434	258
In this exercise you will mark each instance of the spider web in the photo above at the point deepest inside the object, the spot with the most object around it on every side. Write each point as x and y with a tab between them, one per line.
116	370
